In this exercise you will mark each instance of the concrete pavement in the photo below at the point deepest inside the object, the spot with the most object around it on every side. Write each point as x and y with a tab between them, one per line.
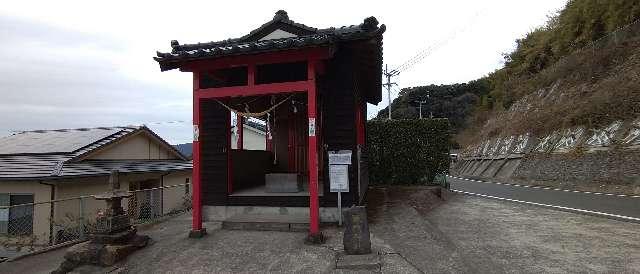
612	206
469	234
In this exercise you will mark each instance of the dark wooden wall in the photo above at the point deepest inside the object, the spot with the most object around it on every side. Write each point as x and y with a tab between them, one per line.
338	98
213	152
250	168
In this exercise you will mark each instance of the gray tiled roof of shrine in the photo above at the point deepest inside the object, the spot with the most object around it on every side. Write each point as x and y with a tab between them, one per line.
305	36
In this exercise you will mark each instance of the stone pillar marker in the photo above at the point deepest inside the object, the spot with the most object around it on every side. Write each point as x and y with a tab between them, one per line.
356	239
114	237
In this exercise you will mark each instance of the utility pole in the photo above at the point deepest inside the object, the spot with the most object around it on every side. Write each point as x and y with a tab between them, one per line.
421	102
388	84
430	111
424	102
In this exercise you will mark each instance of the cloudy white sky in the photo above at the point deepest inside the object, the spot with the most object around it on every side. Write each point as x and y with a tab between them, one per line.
67	64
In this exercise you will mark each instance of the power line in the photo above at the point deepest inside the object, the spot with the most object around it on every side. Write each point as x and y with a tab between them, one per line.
421	55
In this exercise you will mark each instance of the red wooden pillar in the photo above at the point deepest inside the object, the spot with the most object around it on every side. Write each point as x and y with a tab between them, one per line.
314	204
196	202
240	128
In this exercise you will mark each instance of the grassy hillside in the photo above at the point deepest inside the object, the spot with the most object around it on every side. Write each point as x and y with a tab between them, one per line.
580	69
580	23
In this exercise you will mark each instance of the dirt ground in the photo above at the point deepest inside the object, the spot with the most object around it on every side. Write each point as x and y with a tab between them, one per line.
413	230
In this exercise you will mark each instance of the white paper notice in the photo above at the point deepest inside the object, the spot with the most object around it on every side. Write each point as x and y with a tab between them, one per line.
312	126
339	178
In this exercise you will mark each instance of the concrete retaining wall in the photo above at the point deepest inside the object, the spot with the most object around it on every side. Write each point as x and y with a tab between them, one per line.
607	167
616	171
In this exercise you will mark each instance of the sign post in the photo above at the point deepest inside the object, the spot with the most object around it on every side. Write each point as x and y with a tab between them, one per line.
339	162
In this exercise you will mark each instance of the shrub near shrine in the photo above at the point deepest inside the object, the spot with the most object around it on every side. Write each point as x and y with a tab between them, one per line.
407	151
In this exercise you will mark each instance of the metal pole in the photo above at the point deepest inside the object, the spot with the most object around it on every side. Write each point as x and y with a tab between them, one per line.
420	110
388	85
82	219
339	208
386	72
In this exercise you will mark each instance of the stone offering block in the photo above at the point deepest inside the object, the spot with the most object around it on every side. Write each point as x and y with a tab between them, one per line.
356	239
283	182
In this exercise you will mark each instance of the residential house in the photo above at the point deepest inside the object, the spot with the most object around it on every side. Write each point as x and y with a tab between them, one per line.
59	165
253	136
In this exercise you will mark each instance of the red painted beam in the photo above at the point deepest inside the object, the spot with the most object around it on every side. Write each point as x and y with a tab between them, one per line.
285	56
196	201
263	89
314	203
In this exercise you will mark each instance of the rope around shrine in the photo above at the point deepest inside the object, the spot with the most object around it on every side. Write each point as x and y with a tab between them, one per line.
254	114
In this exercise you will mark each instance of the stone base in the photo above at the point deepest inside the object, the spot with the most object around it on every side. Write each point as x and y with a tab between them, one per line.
222	213
122	237
100	254
198	233
315	239
358	262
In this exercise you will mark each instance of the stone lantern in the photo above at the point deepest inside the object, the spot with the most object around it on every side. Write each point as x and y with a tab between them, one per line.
114	237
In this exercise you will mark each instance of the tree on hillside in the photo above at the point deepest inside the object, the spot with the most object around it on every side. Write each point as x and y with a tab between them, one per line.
454	102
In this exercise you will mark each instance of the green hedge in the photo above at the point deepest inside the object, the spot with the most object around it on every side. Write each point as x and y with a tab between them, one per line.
407	151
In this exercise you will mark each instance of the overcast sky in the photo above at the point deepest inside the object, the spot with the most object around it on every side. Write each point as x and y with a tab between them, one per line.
68	64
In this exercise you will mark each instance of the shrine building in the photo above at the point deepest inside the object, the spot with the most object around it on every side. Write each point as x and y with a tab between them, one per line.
309	87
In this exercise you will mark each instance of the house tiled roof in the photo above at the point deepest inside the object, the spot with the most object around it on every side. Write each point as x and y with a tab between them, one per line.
54	141
256	125
305	37
58	154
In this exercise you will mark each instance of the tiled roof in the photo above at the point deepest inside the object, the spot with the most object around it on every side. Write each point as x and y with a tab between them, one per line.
250	43
104	167
53	141
57	158
256	125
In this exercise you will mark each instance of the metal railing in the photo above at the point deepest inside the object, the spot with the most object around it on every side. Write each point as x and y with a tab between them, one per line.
35	226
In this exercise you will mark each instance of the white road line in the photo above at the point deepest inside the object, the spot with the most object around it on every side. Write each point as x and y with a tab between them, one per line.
547	188
552	206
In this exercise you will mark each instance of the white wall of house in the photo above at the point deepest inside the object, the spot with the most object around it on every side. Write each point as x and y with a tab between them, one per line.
41	212
67	213
138	147
176	198
253	139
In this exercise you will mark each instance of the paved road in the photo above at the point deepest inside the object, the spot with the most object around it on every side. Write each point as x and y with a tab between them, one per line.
613	206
